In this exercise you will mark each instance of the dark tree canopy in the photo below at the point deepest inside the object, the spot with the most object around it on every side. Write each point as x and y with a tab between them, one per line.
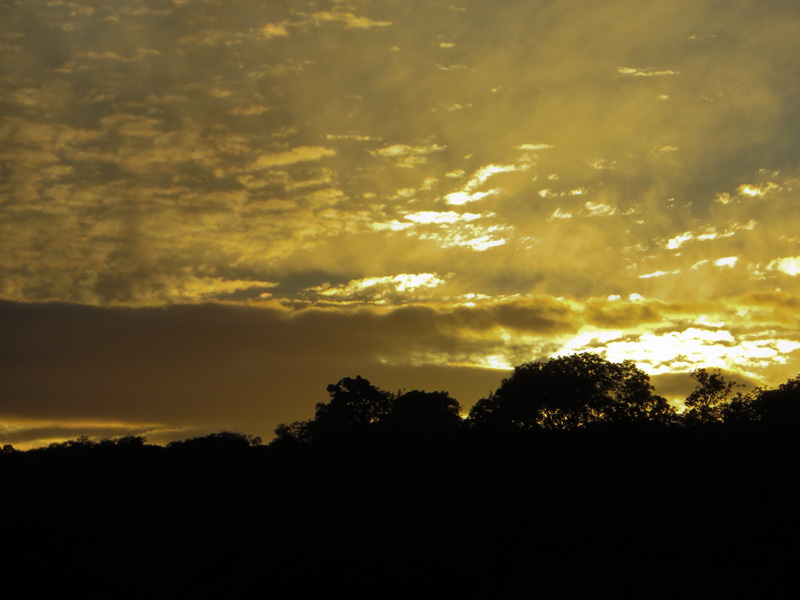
343	501
292	433
559	394
780	407
214	442
356	407
713	393
569	392
354	402
420	413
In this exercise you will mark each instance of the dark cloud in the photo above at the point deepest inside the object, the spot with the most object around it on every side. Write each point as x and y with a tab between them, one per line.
622	315
210	365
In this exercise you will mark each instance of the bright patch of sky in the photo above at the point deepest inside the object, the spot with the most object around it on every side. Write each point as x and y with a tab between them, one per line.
380	289
450	217
658	274
533	147
468	194
645	72
788	266
688	349
475	237
728	261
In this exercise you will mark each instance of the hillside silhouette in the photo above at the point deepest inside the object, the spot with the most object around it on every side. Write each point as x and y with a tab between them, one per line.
571	480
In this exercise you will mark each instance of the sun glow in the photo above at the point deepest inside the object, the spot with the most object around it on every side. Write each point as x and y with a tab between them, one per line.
682	351
728	261
378	288
788	266
428	216
493	361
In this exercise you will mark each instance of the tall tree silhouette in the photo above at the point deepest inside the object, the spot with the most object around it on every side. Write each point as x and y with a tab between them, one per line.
423	415
705	404
354	405
780	407
569	392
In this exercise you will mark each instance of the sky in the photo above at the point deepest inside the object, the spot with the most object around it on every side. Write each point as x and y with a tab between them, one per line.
212	209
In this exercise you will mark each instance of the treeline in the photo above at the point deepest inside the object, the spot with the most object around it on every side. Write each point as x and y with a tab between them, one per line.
572	480
131	444
571	393
579	392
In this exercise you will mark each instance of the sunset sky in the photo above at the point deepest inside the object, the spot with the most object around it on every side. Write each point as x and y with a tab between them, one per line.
211	209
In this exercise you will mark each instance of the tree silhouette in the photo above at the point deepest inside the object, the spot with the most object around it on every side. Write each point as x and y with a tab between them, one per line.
131	441
742	408
421	414
780	407
354	405
292	434
569	392
354	402
705	404
214	442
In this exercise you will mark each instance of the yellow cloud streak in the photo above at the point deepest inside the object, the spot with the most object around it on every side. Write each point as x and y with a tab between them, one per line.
293	156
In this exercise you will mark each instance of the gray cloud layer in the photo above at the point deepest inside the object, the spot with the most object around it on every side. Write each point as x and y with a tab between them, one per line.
208	366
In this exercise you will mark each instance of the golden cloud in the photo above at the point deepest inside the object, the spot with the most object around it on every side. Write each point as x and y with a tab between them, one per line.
293	156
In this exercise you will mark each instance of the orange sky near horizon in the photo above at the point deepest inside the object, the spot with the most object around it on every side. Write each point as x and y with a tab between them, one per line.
209	210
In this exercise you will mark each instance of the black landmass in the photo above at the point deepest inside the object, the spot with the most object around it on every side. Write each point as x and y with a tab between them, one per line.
386	495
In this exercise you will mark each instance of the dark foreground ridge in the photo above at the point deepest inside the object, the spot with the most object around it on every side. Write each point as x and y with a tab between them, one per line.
570	481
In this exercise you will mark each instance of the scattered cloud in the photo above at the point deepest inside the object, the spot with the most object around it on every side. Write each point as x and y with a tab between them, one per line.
645	72
293	156
560	214
352	136
707	234
476	237
271	30
438	218
533	147
252	110
728	261
598	209
379	290
602	164
748	191
407	156
468	191
788	266
658	274
348	19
